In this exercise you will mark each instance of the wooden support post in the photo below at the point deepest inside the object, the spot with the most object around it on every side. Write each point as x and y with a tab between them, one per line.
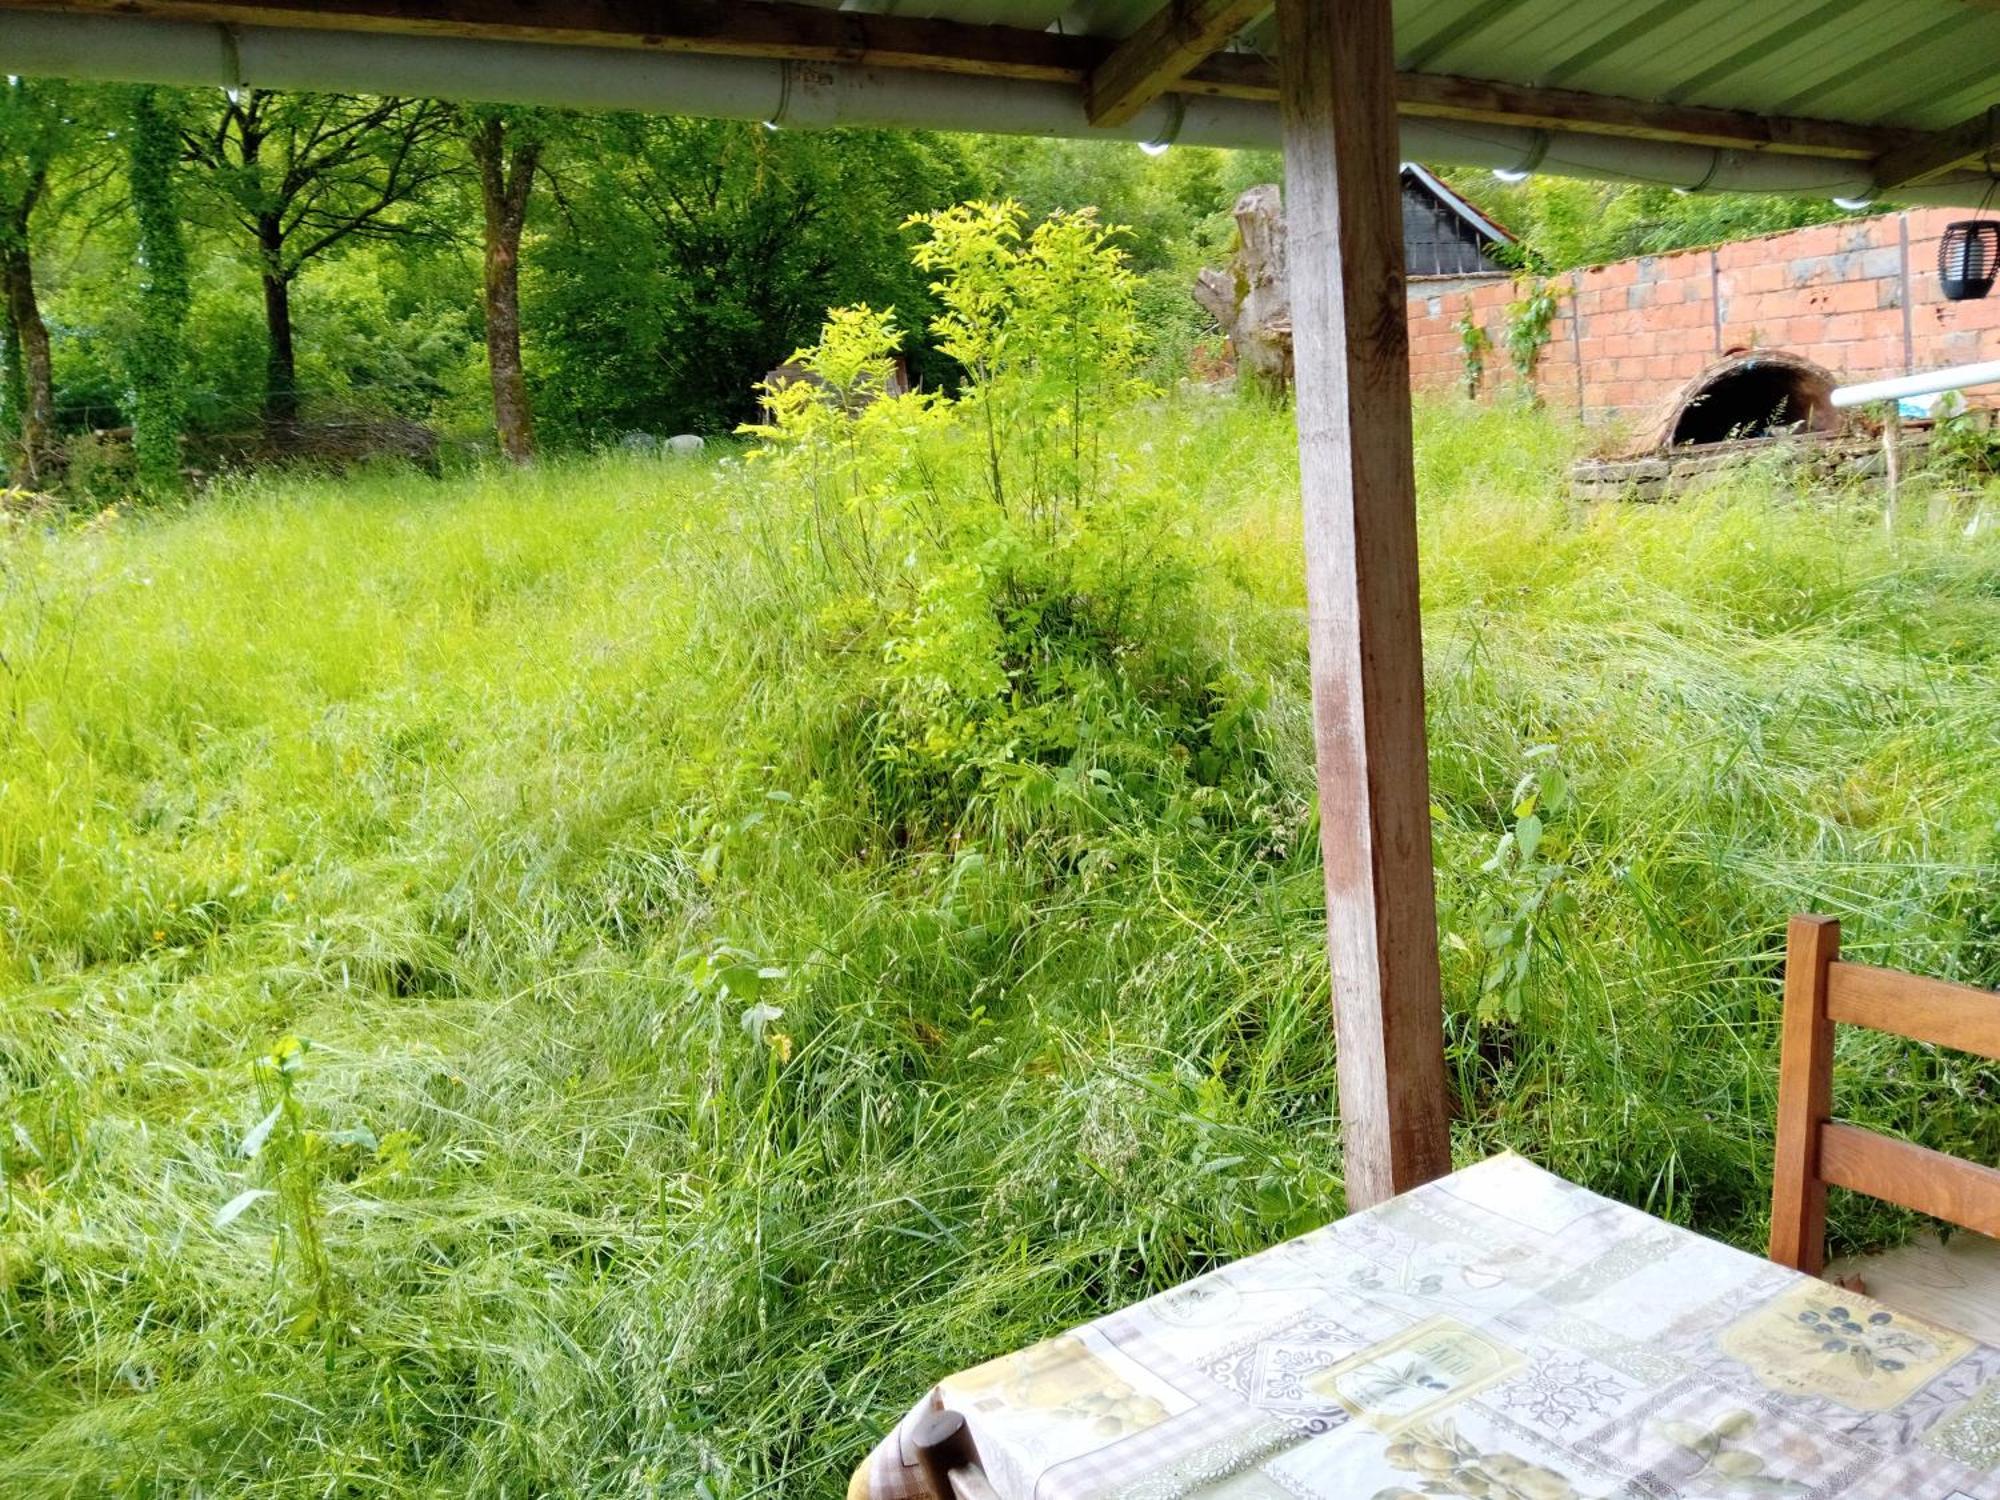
1351	351
1892	462
1805	1096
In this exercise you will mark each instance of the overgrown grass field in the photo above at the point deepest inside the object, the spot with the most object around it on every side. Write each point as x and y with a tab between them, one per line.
575	983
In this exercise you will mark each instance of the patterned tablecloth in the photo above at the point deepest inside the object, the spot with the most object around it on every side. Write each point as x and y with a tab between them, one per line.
1498	1334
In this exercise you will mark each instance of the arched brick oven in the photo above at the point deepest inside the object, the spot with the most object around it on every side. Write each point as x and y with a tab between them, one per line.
1750	394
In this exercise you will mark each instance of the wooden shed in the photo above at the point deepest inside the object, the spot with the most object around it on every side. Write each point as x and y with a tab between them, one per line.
1445	238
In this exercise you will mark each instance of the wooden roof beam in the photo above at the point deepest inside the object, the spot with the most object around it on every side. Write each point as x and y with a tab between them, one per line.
1437	96
1175	39
1968	143
728	28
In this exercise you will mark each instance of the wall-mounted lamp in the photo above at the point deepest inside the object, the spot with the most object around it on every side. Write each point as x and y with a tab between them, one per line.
1968	254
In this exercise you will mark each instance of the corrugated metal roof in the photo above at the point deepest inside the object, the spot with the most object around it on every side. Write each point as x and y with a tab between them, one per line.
1926	64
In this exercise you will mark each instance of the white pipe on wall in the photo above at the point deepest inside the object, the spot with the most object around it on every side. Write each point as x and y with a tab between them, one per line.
1929	383
824	95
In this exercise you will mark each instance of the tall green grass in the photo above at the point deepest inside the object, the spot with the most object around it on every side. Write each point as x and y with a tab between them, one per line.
675	1104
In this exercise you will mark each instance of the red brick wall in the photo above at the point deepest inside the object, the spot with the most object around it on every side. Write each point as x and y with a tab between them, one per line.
1859	297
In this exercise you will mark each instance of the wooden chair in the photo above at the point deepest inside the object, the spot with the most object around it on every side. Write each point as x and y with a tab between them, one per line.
1816	1150
948	1459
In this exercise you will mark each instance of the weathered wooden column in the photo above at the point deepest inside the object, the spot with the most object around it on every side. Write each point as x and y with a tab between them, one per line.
1352	357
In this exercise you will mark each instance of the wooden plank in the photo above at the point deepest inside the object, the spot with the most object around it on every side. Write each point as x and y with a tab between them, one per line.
1434	96
1805	1096
770	28
1351	345
1438	96
1968	143
1913	1176
1930	1010
777	29
1955	1283
1176	37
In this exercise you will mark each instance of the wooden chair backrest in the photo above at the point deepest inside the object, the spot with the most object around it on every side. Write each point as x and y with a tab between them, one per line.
1814	1149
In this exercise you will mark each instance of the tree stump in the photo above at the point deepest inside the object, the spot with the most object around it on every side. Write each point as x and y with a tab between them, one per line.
1252	300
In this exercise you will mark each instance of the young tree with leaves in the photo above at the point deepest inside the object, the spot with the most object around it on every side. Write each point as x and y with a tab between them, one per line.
33	126
301	173
1043	323
157	361
507	150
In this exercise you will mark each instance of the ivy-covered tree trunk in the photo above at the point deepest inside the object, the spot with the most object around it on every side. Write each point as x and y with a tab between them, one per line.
30	380
281	374
158	360
505	179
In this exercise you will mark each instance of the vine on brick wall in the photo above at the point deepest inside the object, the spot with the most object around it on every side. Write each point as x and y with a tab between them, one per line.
1473	343
157	360
1529	320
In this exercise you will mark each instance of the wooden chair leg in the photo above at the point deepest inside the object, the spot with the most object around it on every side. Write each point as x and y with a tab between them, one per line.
947	1457
1805	1097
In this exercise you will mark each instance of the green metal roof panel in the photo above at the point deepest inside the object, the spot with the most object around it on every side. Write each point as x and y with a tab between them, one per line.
1921	63
1907	62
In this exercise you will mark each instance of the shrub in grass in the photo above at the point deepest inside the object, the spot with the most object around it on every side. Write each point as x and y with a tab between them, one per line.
1018	629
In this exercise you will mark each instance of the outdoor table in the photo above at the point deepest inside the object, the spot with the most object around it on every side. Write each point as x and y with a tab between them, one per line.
1499	1333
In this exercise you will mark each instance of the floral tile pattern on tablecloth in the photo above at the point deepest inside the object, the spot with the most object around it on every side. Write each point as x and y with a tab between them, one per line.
1497	1335
1972	1434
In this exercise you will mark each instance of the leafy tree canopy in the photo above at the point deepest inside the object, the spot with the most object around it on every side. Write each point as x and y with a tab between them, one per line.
687	257
1564	222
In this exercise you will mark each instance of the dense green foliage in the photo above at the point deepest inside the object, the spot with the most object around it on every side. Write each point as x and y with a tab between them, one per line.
669	991
1562	222
667	264
689	257
294	176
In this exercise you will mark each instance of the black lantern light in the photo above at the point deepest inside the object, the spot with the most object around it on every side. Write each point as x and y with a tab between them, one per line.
1969	252
1968	255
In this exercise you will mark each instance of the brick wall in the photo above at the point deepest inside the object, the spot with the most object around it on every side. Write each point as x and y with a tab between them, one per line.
1859	297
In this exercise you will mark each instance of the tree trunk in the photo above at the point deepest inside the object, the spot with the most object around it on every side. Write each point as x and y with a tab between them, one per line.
1251	300
281	380
30	335
157	358
505	179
